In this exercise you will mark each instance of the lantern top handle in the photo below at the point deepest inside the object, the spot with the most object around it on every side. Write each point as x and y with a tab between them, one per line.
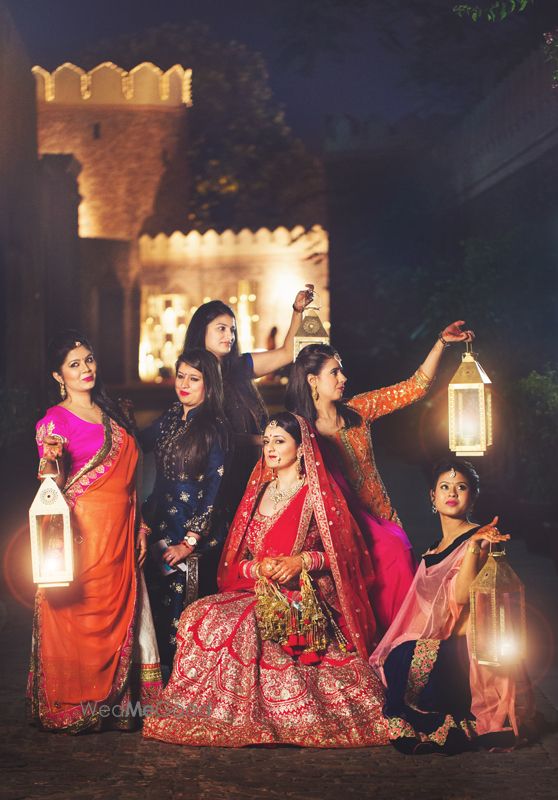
468	354
314	303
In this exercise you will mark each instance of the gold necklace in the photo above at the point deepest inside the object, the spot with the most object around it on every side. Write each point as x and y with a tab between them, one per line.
282	495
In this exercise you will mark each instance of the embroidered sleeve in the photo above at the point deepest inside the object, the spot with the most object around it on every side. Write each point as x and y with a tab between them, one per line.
50	425
316	558
372	405
207	488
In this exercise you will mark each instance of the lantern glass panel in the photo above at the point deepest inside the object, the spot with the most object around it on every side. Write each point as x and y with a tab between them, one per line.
467	417
499	627
52	556
485	629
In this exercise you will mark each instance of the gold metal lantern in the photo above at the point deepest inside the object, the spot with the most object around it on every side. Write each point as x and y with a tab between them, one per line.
51	536
470	408
311	329
497	608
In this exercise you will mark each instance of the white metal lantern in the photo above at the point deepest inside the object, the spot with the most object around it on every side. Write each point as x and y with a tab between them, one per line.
51	536
470	408
311	329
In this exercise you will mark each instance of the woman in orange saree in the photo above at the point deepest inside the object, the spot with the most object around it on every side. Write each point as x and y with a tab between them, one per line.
93	649
279	656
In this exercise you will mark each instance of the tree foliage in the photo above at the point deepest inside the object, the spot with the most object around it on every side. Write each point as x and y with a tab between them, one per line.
492	11
452	61
245	167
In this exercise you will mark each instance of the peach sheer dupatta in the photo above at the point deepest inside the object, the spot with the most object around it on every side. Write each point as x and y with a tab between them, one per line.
349	561
430	611
87	635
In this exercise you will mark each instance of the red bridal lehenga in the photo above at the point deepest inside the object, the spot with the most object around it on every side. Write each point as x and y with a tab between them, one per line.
233	686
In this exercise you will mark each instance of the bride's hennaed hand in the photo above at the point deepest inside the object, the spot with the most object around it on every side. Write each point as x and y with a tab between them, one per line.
288	567
267	566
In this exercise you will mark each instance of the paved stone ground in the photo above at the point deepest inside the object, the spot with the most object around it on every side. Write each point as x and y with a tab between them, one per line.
123	765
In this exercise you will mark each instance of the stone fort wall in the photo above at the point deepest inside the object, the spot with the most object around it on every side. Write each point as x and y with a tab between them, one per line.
123	128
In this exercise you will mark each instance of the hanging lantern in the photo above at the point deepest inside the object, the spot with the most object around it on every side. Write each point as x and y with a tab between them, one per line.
497	609
470	408
311	329
51	536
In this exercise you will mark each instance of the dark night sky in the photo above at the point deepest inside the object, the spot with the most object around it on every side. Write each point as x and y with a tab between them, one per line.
366	82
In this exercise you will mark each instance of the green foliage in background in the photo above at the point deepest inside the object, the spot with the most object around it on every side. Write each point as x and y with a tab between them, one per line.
536	402
492	11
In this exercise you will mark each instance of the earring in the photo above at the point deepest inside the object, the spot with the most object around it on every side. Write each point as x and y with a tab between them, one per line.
434	509
273	473
299	468
63	392
315	394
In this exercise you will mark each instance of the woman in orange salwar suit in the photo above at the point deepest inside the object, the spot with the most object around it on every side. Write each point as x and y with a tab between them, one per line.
94	652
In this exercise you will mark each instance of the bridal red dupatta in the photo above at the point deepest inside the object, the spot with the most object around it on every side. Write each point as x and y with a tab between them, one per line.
349	561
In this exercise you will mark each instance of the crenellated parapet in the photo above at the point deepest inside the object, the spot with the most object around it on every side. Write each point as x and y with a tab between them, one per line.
298	242
110	85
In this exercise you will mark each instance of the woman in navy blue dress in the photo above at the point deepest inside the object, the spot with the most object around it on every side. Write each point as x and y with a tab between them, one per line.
190	443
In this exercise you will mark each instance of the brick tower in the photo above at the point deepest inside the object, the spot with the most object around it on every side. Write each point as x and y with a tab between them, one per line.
123	128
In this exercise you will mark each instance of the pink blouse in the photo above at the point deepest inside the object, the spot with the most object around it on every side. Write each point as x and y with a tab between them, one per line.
82	439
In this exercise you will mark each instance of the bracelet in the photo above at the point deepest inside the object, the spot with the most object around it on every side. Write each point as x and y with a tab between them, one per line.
298	310
144	528
306	559
474	548
441	339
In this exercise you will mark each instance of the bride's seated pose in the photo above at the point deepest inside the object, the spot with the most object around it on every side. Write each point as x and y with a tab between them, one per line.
279	656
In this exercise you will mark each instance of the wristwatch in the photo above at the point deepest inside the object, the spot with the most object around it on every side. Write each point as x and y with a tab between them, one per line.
190	540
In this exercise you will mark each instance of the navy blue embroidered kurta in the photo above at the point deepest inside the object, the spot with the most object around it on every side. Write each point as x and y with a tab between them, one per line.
180	503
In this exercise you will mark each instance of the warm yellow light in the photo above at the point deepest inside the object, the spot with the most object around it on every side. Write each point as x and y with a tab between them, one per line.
162	341
207	299
53	563
255	317
243	298
233	299
169	319
508	648
252	298
467	427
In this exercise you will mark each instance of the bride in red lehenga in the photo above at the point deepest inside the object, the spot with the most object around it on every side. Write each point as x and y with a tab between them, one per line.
280	655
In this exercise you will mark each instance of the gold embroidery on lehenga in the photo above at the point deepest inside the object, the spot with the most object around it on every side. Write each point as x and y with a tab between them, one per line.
422	663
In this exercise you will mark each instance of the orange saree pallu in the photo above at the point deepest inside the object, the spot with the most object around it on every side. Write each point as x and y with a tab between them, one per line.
231	686
93	641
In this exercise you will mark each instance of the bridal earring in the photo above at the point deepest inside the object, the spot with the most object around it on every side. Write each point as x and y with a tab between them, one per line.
299	468
63	392
315	394
434	509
